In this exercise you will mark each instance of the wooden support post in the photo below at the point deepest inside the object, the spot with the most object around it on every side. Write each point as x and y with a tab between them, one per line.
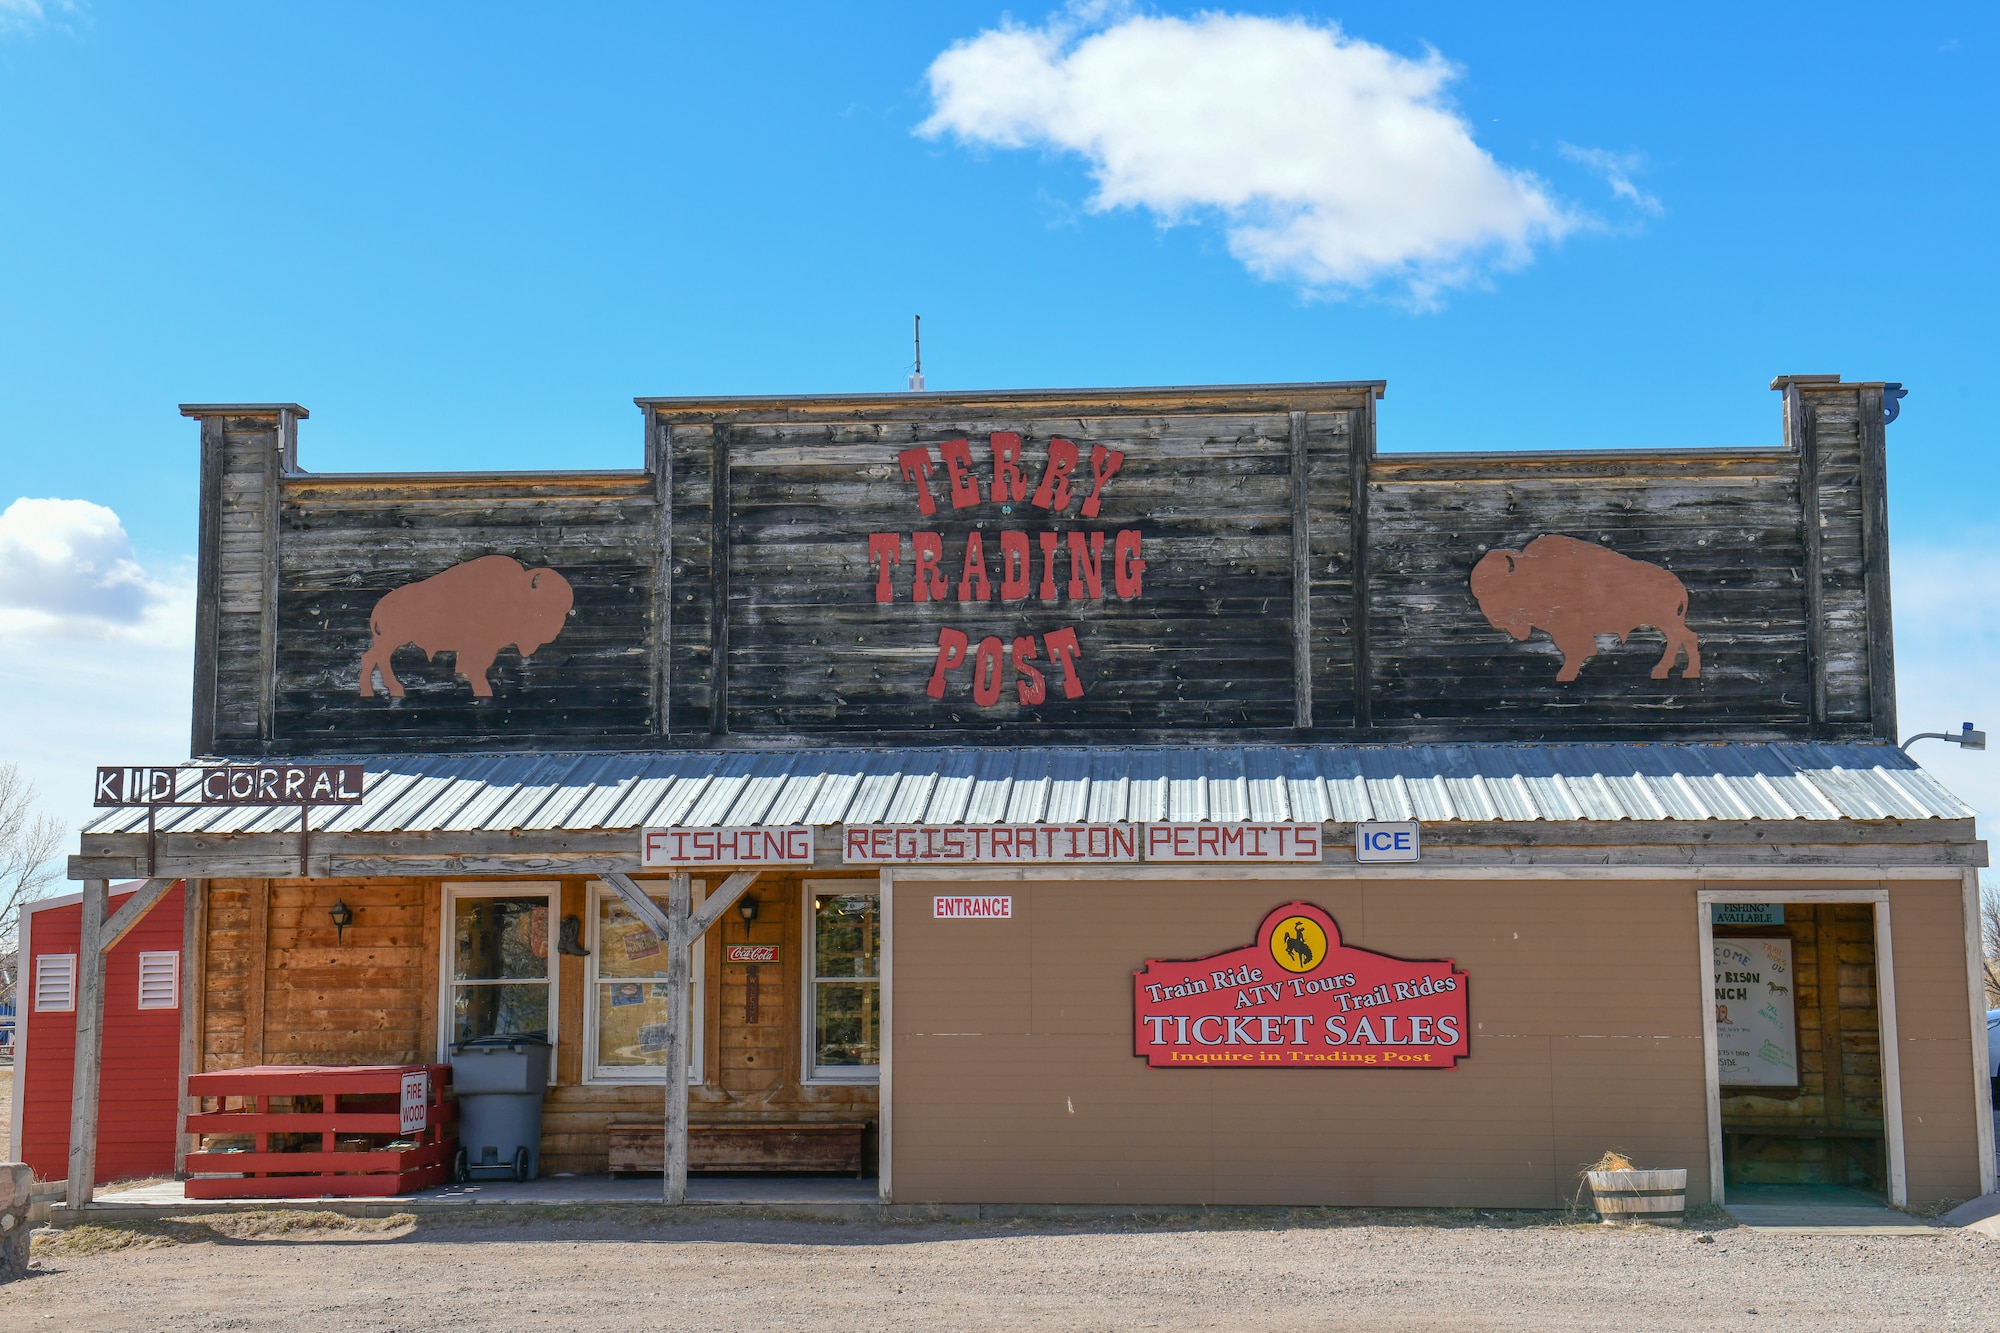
680	928
194	967
82	1169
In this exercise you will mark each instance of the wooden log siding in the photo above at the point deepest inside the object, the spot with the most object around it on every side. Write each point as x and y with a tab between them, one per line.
725	595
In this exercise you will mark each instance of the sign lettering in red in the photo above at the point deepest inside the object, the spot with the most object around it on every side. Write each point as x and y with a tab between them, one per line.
750	953
989	908
988	844
753	846
1300	999
1232	842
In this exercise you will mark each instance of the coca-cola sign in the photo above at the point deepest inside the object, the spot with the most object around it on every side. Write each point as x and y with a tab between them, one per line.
1298	998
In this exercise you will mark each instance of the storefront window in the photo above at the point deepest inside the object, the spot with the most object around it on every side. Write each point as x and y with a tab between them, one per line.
846	1027
629	994
500	967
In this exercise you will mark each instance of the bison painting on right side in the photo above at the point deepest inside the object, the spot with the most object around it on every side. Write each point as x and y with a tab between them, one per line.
1574	591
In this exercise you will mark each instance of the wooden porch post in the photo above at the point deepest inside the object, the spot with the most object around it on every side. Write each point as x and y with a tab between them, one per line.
680	1031
82	1169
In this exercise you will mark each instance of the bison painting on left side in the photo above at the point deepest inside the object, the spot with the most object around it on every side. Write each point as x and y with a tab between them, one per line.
474	610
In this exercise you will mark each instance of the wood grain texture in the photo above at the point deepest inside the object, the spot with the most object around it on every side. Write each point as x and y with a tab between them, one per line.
1298	583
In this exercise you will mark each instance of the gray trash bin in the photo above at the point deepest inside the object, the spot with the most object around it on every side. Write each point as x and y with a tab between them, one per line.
499	1082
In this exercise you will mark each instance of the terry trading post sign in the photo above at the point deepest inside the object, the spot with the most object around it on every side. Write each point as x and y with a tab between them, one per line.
1300	999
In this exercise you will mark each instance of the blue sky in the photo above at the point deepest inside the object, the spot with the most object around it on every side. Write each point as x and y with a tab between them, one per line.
467	236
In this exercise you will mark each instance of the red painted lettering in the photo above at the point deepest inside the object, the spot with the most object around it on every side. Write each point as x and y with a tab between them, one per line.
916	467
1127	568
1064	650
1048	588
1086	571
1013	566
1104	465
1007	468
1029	685
884	550
1054	493
928	584
958	467
972	584
951	654
987	670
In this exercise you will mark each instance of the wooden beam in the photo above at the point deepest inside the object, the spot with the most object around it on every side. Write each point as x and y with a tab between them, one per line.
1875	563
82	1170
718	582
660	462
194	1011
267	615
1803	419
640	905
1302	660
143	900
680	1031
208	590
1360	455
724	898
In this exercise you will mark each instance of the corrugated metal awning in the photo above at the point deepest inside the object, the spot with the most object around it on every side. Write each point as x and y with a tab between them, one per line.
1220	784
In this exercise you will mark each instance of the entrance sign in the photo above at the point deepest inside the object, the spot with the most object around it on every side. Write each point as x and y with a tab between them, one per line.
233	785
753	846
1232	842
1300	999
1756	1026
988	908
1387	840
989	844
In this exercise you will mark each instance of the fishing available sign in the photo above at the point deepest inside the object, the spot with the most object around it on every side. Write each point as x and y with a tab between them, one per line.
1298	998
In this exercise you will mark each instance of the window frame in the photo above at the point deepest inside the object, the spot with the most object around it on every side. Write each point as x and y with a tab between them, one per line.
447	954
174	980
598	1075
810	1072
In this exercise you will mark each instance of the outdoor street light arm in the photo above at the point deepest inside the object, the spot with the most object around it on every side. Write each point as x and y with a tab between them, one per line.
1965	738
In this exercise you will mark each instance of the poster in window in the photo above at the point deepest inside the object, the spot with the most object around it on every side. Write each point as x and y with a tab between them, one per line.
653	1038
1756	1035
630	992
640	943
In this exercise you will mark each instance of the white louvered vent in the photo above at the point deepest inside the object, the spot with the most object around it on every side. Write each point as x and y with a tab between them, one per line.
55	981
159	980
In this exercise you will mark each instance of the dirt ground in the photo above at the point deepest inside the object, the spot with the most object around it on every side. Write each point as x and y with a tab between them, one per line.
568	1269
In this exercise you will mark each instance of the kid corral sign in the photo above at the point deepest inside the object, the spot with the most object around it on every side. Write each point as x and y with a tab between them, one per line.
1300	999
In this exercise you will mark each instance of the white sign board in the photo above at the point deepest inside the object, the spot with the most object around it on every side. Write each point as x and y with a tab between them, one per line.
1756	1040
416	1100
752	846
1380	840
989	908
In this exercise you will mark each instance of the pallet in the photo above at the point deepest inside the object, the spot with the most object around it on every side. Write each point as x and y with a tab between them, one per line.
641	1149
372	1170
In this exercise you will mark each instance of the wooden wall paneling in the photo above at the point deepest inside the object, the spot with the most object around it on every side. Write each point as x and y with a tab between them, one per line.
429	1031
194	989
225	962
256	972
660	643
208	589
1360	455
248	448
721	520
1878	625
1840	485
354	996
1826	929
689	660
1805	439
1330	460
267	620
1302	560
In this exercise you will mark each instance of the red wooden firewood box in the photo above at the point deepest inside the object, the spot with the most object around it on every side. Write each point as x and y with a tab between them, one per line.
373	1141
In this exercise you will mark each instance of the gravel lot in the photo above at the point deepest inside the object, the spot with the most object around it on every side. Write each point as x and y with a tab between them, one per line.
571	1270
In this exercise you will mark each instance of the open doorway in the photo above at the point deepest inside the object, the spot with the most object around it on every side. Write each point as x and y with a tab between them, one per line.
1803	1108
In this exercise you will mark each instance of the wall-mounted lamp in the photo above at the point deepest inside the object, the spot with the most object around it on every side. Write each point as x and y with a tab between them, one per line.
1965	738
746	907
343	917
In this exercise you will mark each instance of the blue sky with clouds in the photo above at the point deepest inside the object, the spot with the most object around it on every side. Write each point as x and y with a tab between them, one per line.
467	236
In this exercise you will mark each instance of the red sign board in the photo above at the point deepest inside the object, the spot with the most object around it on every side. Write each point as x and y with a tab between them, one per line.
750	953
1300	999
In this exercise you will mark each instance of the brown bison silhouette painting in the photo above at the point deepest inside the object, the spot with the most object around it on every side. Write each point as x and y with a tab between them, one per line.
1575	591
474	610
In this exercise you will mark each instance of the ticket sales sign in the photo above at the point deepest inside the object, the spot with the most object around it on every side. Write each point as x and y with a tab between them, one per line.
1298	998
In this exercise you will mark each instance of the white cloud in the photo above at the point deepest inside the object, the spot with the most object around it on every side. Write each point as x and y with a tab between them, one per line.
23	15
1333	163
1618	169
100	650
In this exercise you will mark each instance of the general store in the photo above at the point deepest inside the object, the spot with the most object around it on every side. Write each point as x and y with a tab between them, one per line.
1048	732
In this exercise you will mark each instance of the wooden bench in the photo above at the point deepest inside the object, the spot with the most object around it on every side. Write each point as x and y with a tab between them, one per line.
640	1149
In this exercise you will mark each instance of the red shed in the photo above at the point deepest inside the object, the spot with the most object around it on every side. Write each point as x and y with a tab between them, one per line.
140	1101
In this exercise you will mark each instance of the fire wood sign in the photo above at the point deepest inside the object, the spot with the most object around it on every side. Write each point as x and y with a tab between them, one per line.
1300	999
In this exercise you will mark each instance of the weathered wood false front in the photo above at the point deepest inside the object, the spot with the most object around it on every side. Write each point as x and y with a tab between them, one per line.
1161	564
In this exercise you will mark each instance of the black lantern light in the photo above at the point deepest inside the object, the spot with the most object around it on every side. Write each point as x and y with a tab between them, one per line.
747	908
343	917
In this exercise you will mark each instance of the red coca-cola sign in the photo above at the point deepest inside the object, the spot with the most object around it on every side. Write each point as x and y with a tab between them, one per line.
1300	999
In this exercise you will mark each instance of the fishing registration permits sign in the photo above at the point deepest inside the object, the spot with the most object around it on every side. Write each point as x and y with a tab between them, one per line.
1300	999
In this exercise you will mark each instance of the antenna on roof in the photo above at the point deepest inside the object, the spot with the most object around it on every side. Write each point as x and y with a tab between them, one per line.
917	376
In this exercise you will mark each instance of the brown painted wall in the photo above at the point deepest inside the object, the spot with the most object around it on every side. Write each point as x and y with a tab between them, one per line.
1934	1040
1014	1080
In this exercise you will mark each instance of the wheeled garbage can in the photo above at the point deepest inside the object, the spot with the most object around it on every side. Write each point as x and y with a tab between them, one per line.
499	1082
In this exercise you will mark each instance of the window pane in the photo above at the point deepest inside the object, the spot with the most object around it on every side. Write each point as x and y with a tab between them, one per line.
517	1010
848	1024
847	935
625	947
632	1023
500	939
